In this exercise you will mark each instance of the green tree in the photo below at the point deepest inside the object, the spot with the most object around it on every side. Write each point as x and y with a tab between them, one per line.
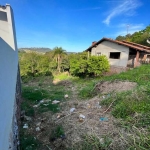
58	54
29	63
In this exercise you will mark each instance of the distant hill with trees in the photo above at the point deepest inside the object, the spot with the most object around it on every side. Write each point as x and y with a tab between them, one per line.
37	49
139	37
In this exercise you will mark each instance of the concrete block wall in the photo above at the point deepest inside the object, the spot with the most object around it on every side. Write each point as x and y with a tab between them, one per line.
106	47
8	80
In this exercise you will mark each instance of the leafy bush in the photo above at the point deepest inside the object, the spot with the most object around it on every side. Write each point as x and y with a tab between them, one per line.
97	65
78	67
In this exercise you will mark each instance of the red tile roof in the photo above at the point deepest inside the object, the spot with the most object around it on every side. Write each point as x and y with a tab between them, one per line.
135	46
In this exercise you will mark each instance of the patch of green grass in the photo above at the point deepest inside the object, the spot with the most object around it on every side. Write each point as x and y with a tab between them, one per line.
91	142
33	94
85	86
138	139
57	92
50	107
128	103
140	75
28	142
57	132
63	76
32	97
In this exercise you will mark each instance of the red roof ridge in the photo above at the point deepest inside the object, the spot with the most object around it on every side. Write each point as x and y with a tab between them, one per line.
128	44
137	44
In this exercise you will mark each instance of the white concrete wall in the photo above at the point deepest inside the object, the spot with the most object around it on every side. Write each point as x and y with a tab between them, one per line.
106	47
8	76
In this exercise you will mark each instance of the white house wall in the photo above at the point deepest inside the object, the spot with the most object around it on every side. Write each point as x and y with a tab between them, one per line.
8	78
106	47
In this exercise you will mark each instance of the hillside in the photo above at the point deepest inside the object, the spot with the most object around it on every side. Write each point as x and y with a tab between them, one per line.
38	49
139	37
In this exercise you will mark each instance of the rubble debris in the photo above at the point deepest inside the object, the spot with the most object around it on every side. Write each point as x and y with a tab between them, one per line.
25	126
72	110
35	106
103	119
66	96
41	101
58	116
38	129
88	106
45	104
103	97
81	116
97	105
55	102
102	140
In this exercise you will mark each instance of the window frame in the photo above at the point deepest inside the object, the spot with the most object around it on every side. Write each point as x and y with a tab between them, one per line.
114	54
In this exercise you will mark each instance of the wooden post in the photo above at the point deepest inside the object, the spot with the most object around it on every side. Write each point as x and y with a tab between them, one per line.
137	59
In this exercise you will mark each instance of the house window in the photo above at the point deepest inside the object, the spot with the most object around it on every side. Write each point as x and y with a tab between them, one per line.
3	16
98	54
114	55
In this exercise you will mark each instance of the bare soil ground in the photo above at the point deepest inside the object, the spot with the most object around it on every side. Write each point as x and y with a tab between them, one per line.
115	86
98	121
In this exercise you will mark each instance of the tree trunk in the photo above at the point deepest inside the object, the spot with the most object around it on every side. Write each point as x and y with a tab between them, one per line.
58	67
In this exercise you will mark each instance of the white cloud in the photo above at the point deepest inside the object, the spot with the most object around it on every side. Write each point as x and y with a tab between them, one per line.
126	7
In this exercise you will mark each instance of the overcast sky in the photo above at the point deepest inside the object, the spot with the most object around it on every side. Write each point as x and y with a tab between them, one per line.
74	24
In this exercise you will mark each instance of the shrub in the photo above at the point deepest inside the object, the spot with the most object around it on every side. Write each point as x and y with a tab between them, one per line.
97	65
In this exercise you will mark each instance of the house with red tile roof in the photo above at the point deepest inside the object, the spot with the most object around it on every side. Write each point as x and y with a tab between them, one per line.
120	53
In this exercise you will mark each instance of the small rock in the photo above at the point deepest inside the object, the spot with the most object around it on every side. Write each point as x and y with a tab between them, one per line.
88	105
66	96
101	140
47	100
81	116
55	102
58	116
72	110
103	97
25	126
45	104
38	129
35	106
41	101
